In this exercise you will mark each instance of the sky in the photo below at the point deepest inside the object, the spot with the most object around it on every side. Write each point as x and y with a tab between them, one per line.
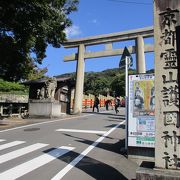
97	17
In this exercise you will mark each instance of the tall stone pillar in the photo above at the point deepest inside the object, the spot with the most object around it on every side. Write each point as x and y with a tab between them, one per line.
167	85
167	147
140	56
79	80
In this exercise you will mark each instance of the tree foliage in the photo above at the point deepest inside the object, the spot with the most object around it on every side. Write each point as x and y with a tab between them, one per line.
12	87
118	84
95	84
26	29
36	73
110	81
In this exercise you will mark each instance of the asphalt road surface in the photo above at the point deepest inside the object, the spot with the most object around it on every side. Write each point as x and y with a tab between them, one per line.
81	147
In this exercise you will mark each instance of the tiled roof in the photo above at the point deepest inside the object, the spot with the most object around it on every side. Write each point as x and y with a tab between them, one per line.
43	80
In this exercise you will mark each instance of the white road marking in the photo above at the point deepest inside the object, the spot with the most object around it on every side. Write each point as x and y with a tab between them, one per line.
1	140
35	163
20	152
65	170
11	144
81	131
45	122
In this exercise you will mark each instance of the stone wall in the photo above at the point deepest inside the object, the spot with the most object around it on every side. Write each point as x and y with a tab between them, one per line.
12	98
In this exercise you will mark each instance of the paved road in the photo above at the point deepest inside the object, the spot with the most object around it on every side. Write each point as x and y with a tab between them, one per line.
82	147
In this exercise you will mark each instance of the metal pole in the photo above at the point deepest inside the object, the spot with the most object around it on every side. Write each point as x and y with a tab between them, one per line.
126	98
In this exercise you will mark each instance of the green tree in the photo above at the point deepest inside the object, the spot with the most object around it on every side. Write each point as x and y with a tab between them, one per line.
118	84
36	73
110	80
26	29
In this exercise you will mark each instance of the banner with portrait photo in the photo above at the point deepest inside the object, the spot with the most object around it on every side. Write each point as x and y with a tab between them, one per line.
141	117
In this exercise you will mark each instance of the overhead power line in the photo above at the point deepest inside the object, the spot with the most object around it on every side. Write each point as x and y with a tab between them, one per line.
130	2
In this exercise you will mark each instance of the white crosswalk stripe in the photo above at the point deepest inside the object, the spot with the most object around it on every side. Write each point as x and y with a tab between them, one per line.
14	154
33	164
11	144
2	140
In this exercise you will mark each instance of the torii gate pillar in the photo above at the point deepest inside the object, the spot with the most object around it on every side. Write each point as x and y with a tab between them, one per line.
79	80
140	56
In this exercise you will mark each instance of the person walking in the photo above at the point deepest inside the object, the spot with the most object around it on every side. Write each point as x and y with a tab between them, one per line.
96	103
107	103
117	103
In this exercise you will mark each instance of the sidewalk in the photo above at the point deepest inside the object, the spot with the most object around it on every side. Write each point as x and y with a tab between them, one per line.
12	122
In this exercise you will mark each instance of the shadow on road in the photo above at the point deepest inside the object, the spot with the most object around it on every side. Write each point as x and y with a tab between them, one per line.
121	117
122	126
103	113
111	116
93	167
106	146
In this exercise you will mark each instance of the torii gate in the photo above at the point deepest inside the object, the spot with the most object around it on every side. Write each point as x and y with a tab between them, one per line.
138	35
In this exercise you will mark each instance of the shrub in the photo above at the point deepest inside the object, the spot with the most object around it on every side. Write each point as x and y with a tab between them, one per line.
12	87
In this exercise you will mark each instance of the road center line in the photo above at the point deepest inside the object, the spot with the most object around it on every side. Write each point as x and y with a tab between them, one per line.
73	163
81	131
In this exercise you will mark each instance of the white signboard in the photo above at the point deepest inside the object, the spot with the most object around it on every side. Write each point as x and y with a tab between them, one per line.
141	117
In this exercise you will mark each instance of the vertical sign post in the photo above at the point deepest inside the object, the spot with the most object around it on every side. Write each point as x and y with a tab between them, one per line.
126	61
126	103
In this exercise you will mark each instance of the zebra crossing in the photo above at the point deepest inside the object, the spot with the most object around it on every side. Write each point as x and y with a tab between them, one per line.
30	165
11	144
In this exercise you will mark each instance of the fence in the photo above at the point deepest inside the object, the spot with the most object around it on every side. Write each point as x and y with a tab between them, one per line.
88	101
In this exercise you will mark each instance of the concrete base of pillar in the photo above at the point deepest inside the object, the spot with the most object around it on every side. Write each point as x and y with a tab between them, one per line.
140	154
146	173
47	108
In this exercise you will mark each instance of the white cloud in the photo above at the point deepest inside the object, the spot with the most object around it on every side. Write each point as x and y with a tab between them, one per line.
72	31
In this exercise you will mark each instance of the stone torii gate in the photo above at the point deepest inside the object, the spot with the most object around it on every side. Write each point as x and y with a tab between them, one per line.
140	48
